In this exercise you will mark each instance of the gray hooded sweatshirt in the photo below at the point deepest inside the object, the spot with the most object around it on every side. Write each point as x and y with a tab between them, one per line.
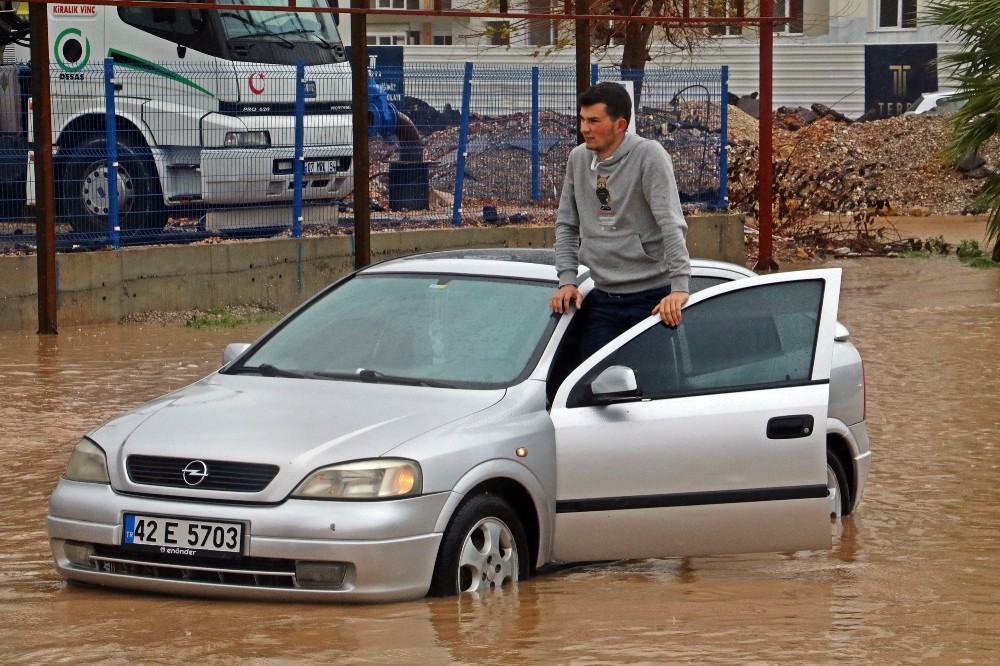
622	218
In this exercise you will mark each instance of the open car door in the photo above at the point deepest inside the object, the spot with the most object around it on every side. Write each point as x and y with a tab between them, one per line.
707	438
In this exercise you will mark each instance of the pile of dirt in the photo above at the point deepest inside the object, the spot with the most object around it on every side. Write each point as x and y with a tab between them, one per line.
893	163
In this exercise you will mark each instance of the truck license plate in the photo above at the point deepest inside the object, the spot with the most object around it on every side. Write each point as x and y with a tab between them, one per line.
320	166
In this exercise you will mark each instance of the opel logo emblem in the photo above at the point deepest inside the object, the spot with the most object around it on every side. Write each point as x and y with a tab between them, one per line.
195	472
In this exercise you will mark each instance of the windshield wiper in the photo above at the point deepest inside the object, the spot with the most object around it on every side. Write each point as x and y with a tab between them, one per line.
304	31
363	374
268	370
375	377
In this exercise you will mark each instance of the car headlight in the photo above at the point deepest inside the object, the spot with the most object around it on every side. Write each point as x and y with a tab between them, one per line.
251	139
363	479
88	463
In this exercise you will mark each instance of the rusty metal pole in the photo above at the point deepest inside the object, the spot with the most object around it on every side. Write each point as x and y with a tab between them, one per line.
359	86
582	56
765	174
45	225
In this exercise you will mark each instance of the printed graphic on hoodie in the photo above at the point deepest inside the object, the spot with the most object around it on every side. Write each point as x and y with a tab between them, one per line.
606	213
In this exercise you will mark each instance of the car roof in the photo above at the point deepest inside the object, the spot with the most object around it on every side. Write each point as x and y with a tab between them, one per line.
928	101
534	264
526	263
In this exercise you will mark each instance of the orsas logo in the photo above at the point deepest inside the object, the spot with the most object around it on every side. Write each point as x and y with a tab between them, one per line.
71	52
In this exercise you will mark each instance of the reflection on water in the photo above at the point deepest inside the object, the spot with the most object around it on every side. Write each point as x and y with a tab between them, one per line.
912	579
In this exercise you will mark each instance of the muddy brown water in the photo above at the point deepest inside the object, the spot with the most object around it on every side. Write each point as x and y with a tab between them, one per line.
913	578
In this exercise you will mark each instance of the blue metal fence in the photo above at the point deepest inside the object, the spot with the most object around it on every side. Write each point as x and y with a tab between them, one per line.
475	144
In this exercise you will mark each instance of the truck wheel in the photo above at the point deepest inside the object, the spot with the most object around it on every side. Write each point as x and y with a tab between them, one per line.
82	188
483	548
837	487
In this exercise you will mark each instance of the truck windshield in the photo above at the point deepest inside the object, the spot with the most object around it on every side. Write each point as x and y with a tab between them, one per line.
280	37
265	24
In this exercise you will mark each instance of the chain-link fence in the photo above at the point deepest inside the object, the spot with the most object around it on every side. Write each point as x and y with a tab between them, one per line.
151	153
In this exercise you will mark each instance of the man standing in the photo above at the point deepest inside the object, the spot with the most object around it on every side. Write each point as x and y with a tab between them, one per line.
620	214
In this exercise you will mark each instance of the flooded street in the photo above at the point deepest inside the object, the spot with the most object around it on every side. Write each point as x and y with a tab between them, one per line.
913	578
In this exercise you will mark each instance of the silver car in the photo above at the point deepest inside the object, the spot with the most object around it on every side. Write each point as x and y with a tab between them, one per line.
426	426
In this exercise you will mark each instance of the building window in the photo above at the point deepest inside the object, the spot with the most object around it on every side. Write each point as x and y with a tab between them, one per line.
539	31
792	10
442	40
394	4
387	39
542	32
498	33
897	13
725	9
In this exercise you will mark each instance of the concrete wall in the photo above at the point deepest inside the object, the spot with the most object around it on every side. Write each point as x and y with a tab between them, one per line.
102	287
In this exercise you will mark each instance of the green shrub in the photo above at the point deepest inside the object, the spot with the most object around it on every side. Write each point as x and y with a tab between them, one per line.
222	317
983	262
969	249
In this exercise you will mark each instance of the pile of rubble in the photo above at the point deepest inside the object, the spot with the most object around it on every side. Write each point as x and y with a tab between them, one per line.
831	165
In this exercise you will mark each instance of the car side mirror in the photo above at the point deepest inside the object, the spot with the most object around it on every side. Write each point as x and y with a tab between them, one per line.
233	351
616	382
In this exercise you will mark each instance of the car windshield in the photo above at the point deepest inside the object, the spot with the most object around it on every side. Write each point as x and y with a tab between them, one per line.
245	23
436	330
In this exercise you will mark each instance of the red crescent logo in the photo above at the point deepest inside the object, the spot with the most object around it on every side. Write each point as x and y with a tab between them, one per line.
256	82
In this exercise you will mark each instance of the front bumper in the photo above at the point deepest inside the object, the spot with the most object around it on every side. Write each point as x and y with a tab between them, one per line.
252	176
388	548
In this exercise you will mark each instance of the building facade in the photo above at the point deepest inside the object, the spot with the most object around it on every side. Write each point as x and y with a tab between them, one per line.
851	55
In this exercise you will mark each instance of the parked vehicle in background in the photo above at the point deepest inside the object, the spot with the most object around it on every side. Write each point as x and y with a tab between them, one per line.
204	109
934	104
426	425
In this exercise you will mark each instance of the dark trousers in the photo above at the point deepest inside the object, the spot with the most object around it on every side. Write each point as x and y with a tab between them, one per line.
606	316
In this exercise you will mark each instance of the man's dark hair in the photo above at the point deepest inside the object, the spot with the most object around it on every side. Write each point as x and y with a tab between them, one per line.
612	95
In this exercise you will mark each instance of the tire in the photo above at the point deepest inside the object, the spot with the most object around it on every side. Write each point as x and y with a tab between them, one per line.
839	492
82	188
484	548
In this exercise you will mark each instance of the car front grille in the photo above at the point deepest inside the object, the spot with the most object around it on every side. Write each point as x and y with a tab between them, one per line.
223	475
246	572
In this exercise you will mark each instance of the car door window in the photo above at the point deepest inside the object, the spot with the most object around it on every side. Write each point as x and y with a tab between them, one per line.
756	338
699	282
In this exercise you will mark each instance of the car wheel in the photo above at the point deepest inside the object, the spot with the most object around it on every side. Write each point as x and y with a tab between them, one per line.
838	492
484	548
83	189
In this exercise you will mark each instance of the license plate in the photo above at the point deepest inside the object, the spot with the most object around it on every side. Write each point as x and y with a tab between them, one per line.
321	166
181	536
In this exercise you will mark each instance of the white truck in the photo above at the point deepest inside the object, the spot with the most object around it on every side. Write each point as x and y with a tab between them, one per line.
204	109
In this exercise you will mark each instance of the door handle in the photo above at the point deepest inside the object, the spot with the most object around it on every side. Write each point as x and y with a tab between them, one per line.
790	427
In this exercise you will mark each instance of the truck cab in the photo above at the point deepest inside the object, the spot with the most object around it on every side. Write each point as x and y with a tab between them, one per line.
203	108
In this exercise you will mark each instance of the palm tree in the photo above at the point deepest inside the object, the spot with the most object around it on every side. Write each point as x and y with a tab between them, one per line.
975	24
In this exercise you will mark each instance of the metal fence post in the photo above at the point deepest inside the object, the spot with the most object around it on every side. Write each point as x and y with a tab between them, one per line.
114	228
463	144
535	193
724	140
298	161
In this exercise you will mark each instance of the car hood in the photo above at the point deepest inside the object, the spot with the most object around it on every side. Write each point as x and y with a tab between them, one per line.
295	424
